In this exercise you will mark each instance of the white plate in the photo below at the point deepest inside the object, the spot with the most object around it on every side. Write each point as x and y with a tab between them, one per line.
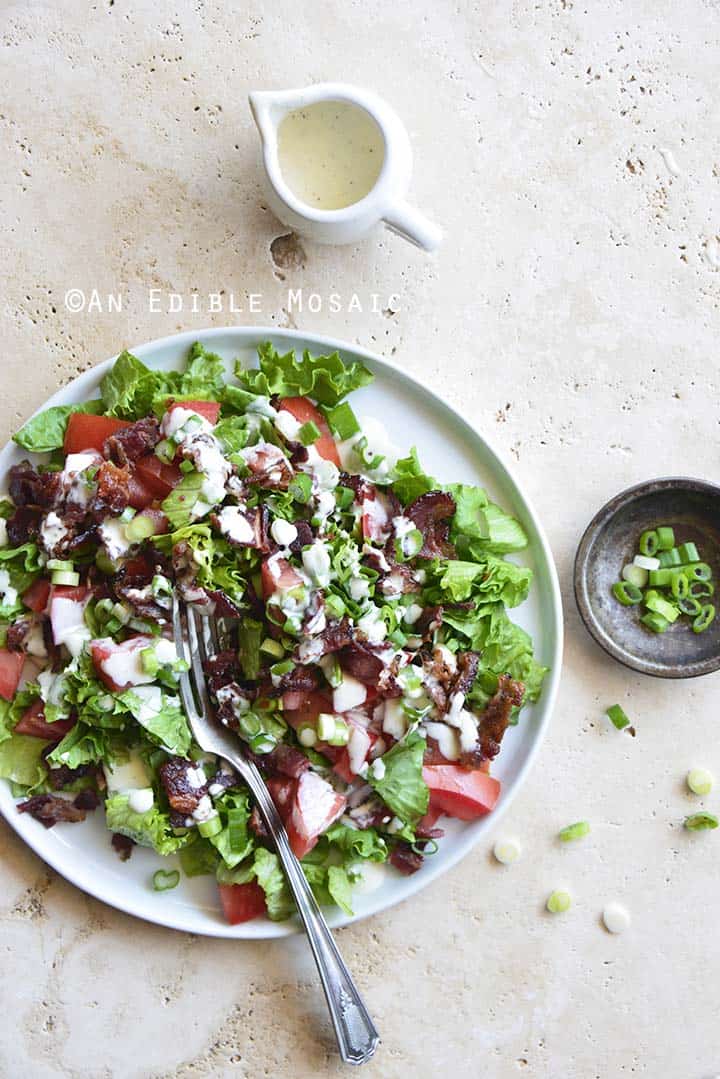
451	449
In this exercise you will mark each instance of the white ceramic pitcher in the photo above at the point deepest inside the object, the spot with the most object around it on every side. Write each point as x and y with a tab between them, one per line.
386	199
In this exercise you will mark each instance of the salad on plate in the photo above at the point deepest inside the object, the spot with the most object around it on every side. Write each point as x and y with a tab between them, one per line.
368	661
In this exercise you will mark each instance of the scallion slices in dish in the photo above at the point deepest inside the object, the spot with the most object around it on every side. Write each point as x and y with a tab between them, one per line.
369	662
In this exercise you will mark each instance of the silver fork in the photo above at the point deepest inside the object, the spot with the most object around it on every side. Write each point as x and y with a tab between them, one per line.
196	640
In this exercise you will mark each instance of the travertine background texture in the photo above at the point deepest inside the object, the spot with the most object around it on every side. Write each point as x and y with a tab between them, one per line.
571	152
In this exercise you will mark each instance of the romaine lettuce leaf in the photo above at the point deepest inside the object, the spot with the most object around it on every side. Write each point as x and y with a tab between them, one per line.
128	388
408	480
234	843
325	378
150	829
160	715
46	431
204	376
23	565
83	745
269	875
492	580
21	760
402	787
178	505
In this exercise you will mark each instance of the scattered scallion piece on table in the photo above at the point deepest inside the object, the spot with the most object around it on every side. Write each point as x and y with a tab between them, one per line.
699	781
617	717
574	831
558	902
700	822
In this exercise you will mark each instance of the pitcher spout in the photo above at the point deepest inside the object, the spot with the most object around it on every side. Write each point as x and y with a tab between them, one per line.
268	107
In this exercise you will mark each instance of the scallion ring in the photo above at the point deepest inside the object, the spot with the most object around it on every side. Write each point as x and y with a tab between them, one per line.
703	620
649	543
163	880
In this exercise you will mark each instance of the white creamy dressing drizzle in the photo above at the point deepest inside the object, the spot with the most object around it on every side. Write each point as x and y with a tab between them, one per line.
193	433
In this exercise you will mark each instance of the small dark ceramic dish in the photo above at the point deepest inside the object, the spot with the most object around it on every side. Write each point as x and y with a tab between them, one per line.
692	507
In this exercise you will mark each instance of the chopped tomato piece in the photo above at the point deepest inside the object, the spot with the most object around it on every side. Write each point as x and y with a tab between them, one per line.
86	432
120	665
209	410
375	517
242	902
426	823
282	792
67	611
459	792
11	665
33	722
37	596
315	806
304	706
305	411
156	476
355	754
141	495
278	574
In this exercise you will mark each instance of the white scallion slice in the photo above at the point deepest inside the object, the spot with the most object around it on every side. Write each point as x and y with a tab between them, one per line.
645	562
635	575
507	851
699	781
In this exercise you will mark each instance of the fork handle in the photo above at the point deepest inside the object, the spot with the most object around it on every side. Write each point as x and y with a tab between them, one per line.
356	1034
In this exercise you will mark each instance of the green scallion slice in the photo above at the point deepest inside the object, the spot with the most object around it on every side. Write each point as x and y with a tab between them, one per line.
697	571
679	584
237	831
627	594
702	589
163	880
660	578
666	538
65	577
342	421
344	497
649	543
703	620
699	822
309	433
657	603
689	606
574	831
558	902
655	622
617	716
688	552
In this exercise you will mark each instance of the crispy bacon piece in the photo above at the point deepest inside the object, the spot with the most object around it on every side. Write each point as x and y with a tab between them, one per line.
113	491
404	858
87	800
24	525
122	845
17	634
224	606
269	467
287	761
495	718
431	513
186	570
467	664
259	521
61	776
361	662
304	538
50	809
222	669
257	825
181	794
335	636
299	678
132	442
369	814
28	487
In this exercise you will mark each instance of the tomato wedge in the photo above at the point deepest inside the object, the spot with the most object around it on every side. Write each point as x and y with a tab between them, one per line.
11	665
157	477
304	706
141	496
33	722
242	902
316	805
86	432
209	410
277	575
305	411
461	793
37	596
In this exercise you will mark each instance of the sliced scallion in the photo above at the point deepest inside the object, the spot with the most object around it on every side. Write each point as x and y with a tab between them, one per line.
649	543
699	781
655	602
656	622
666	538
163	880
627	593
688	552
65	577
574	831
211	826
645	562
703	620
635	575
558	902
699	822
617	716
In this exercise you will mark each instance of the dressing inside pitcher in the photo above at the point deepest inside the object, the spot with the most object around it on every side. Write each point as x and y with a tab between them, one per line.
338	162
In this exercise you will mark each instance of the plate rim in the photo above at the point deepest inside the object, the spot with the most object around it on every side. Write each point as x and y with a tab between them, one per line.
580	570
470	836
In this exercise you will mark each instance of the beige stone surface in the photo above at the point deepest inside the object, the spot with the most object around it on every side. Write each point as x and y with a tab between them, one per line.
571	152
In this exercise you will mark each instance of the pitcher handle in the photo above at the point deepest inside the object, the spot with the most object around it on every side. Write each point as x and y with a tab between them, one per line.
409	223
